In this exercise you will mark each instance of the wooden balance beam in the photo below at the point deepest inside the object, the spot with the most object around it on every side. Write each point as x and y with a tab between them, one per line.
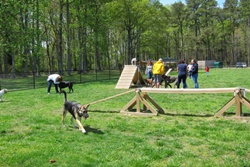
142	97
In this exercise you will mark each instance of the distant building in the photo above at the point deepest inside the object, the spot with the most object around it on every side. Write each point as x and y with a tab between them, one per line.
203	63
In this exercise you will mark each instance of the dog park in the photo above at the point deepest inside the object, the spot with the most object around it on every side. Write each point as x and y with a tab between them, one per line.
187	133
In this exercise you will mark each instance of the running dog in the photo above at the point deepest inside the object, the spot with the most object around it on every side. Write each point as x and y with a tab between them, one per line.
2	92
76	110
64	84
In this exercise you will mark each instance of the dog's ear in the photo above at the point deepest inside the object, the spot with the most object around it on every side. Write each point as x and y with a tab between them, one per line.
87	106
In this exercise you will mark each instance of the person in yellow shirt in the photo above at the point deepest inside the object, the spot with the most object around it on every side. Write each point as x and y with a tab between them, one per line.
158	71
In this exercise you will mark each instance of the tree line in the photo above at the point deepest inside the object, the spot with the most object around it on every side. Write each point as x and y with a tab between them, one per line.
83	35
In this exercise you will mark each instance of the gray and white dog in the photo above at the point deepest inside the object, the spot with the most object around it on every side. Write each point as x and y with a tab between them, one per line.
2	92
76	110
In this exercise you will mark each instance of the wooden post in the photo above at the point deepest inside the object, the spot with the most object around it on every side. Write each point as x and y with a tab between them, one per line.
238	103
238	100
137	100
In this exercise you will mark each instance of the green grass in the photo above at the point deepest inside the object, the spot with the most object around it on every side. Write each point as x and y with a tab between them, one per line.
186	135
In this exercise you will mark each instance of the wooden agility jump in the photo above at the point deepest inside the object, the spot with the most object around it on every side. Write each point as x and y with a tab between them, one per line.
142	97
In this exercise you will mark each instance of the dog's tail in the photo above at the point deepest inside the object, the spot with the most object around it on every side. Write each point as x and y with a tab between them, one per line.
65	95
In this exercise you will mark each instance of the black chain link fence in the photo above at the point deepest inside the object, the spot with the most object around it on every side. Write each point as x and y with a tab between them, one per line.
21	81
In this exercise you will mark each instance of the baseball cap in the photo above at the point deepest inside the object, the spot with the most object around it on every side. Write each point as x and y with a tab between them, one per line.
160	59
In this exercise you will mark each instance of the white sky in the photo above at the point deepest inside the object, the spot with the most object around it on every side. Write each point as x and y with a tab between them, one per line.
165	2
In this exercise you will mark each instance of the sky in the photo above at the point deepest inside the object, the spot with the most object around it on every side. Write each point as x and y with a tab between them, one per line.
165	2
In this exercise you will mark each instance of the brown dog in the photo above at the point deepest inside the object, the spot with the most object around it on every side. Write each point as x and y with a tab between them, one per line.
149	82
168	80
76	110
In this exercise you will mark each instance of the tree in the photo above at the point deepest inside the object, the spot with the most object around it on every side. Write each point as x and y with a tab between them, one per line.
245	24
232	15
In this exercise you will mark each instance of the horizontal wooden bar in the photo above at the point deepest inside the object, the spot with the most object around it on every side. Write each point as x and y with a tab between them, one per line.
188	90
247	90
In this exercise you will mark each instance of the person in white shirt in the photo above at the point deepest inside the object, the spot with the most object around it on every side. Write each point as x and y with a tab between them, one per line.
149	69
189	69
53	79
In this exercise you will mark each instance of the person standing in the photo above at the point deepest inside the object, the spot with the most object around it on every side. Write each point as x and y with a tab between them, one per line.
194	72
189	68
149	69
158	71
53	79
182	74
207	70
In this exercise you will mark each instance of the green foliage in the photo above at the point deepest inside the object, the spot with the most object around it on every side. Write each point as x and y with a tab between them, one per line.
84	34
31	133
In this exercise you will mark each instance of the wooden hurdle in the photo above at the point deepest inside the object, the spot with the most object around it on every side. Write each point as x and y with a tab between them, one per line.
142	97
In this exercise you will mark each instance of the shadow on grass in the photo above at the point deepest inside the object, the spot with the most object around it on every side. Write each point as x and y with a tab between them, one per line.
88	129
4	101
101	111
188	115
227	114
93	130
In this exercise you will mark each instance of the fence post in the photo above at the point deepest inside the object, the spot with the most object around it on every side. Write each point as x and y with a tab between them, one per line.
80	76
34	80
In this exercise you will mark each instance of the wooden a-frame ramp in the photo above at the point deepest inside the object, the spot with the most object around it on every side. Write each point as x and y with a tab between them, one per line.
130	74
142	97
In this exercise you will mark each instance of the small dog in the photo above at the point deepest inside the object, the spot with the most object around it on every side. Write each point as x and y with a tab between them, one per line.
76	110
149	82
133	61
64	84
2	92
168	80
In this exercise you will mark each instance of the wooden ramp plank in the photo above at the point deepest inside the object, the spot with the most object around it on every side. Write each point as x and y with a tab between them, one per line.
130	74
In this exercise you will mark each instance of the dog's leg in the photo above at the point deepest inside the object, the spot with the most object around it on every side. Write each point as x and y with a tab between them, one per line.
78	121
64	115
72	121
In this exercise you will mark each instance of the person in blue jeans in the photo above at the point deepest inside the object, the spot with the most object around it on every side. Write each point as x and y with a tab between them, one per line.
182	74
194	72
53	79
149	69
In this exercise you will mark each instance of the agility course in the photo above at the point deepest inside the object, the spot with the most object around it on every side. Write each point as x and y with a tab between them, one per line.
151	108
142	97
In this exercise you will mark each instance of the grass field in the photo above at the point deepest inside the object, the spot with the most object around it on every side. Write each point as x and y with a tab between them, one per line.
187	134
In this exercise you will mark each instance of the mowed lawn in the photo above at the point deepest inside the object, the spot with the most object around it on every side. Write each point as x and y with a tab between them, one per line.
187	134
